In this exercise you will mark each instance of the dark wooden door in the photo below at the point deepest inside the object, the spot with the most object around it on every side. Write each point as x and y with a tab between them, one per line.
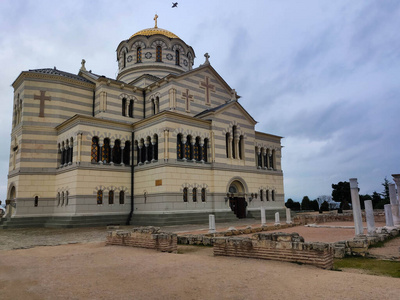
238	206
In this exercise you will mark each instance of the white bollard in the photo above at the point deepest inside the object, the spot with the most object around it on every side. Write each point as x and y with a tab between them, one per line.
288	216
355	203
388	215
395	204
211	220
263	219
369	215
277	221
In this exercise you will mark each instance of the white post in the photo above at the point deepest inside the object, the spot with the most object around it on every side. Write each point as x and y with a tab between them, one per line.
395	204
355	203
277	221
369	215
388	215
263	219
211	220
288	216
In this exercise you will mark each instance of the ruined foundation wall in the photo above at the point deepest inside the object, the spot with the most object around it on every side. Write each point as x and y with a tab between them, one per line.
144	237
276	246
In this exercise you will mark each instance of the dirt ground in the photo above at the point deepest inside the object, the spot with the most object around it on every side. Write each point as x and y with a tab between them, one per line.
87	269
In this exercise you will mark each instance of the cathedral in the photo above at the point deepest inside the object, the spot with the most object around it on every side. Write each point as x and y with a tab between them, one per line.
164	143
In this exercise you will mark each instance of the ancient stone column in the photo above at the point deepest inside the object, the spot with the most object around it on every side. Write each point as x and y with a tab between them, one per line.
288	216
211	221
388	215
355	203
263	219
277	221
395	204
369	214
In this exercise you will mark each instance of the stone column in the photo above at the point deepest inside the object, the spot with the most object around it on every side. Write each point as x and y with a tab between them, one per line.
277	221
388	215
263	219
166	144
395	204
211	220
355	203
396	178
288	216
230	146
369	215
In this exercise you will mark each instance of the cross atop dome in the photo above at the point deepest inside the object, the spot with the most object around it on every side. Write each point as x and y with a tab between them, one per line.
155	19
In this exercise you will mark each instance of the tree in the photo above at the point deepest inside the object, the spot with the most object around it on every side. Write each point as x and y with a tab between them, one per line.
325	206
364	198
314	205
296	206
376	200
289	203
341	193
385	194
305	203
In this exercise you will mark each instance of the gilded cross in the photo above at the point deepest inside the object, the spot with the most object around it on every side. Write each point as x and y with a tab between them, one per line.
207	86
42	98
188	98
155	19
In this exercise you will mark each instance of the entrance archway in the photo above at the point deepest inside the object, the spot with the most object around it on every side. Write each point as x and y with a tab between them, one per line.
237	198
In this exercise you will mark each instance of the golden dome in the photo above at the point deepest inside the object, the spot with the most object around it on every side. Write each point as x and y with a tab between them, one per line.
154	31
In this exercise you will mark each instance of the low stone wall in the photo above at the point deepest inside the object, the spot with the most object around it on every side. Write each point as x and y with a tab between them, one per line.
279	246
359	245
144	237
207	239
304	218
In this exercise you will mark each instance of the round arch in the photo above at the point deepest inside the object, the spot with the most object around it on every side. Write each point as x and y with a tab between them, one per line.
237	186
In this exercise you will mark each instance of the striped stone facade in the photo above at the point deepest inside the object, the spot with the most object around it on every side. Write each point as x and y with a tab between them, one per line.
174	135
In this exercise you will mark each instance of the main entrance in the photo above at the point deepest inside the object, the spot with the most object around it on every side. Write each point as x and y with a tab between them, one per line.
237	199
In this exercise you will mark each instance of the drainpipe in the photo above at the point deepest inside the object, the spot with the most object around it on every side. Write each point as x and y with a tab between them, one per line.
132	178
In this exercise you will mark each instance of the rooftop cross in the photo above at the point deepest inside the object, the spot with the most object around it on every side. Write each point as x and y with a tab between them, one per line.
207	57
155	19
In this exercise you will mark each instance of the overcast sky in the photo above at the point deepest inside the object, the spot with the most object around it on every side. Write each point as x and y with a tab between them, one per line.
325	75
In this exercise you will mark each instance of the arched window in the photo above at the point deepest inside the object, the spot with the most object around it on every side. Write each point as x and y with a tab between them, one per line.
149	149
130	112
124	59
121	197
177	58
71	150
95	150
241	147
139	54
205	152
259	158
179	147
271	159
194	194
266	159
142	151
155	147
227	136
197	149
66	197
185	194
158	54
111	197
203	195
261	195
267	195
62	198
127	149
99	197
63	154
116	152
273	195
188	148
36	200
105	151
124	107
233	142
58	199
153	103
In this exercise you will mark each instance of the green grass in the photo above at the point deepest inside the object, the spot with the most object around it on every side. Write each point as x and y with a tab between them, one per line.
370	265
